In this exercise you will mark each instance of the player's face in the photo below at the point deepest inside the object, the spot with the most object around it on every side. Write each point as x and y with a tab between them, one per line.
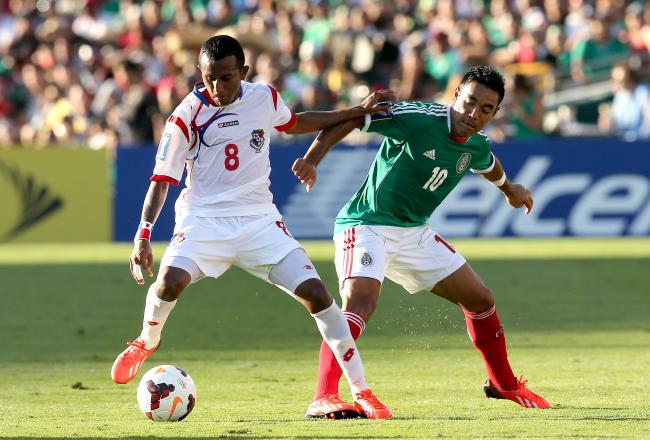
474	106
222	78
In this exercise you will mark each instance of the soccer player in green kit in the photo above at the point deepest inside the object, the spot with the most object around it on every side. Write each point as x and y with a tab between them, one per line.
383	230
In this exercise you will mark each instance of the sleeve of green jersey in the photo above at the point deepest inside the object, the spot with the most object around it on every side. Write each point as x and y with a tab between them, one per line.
392	125
485	162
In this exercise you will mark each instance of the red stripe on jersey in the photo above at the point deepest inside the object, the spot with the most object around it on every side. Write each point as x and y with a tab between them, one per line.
159	178
274	93
288	125
195	129
194	143
181	124
207	96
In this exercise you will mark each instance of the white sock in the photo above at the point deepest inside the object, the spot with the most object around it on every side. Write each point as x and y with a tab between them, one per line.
335	331
156	312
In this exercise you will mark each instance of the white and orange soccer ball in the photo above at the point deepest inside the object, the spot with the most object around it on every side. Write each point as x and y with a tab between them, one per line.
166	394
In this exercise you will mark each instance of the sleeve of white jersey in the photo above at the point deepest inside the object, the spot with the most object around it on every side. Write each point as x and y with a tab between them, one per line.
283	118
174	147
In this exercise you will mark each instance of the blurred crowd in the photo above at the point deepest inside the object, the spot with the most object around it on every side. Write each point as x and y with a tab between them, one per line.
97	74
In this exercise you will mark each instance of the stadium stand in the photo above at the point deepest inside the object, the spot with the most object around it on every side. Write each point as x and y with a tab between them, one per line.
98	74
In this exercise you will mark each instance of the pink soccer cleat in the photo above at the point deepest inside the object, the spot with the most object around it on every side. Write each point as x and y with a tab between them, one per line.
331	407
127	364
371	408
521	395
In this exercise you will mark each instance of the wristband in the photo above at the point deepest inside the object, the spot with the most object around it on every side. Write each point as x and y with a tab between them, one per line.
499	182
144	231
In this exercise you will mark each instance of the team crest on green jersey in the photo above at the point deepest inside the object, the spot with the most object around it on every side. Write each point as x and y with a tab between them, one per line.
463	162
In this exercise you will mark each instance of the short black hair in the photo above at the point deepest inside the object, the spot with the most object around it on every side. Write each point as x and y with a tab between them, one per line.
487	76
222	46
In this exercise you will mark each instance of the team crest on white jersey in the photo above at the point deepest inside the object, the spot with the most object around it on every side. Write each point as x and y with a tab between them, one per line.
463	162
257	140
431	154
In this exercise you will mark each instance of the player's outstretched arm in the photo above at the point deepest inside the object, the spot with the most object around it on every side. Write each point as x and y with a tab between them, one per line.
517	195
142	255
304	168
308	122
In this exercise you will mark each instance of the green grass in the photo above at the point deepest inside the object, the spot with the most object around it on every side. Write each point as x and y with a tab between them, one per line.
576	314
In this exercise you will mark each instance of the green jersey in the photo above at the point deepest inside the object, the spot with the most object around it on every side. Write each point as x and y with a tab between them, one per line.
416	167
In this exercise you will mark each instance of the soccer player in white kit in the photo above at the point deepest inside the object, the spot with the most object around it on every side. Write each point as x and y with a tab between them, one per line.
226	216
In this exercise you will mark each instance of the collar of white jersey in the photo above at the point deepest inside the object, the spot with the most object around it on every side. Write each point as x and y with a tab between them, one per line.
201	92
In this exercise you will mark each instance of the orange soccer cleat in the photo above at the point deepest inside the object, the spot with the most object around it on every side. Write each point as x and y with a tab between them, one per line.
521	395
127	364
371	408
331	407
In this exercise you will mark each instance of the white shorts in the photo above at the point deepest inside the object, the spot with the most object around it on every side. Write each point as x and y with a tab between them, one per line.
208	246
416	258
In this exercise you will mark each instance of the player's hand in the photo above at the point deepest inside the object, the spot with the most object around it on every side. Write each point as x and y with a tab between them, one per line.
141	259
379	101
305	172
518	196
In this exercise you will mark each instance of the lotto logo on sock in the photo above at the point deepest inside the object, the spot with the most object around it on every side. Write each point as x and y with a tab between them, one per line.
152	323
348	355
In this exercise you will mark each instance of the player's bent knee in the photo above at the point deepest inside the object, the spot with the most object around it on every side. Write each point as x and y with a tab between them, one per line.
360	296
172	284
481	300
314	295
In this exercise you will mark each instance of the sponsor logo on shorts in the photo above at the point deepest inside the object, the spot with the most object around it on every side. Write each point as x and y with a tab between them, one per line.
227	124
308	267
178	239
366	259
463	162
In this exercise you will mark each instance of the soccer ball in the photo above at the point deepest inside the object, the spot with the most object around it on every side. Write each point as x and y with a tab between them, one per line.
166	394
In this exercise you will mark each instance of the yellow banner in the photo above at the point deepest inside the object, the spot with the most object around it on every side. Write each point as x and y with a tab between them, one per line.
54	195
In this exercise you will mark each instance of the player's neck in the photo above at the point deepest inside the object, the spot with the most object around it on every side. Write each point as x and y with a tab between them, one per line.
457	138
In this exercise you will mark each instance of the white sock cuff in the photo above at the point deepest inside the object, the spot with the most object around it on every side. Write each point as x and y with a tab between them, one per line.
324	311
154	300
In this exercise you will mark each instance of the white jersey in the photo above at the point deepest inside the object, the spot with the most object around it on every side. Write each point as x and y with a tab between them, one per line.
225	151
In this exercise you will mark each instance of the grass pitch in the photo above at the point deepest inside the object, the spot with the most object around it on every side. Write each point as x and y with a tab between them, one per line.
576	314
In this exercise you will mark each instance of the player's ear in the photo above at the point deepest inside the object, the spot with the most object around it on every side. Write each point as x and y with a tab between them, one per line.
456	94
243	71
